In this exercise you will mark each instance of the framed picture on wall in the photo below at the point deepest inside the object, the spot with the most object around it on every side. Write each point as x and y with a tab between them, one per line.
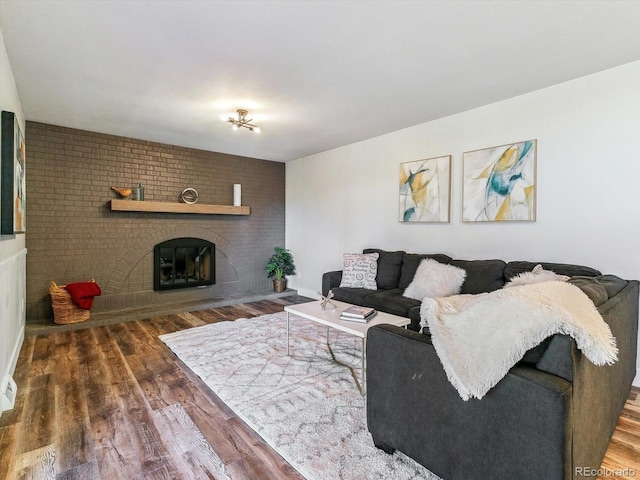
425	190
12	177
500	183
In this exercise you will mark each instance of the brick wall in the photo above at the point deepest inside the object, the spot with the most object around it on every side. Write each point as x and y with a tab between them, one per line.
72	235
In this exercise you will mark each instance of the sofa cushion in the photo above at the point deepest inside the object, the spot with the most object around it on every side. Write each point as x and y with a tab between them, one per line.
355	296
514	268
592	287
389	267
434	279
390	301
482	275
556	358
612	284
410	262
360	270
535	354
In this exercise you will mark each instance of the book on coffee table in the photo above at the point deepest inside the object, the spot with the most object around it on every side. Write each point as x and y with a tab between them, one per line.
359	320
358	314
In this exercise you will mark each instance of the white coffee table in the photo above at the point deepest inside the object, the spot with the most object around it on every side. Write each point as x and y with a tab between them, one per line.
331	318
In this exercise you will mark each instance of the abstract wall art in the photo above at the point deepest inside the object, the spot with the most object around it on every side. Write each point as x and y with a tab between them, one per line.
425	187
500	183
12	177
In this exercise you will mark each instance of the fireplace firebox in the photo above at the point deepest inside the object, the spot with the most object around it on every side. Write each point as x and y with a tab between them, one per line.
183	263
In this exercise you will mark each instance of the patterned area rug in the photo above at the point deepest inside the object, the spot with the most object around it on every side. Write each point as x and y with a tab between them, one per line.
306	406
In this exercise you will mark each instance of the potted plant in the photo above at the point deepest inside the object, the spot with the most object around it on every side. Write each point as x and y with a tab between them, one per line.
280	264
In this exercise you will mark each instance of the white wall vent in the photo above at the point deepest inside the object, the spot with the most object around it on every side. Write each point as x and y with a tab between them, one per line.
8	395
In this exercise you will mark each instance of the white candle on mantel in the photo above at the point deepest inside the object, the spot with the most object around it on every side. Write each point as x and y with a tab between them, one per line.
237	194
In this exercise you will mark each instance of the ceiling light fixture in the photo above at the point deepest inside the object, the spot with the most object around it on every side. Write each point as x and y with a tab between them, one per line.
242	121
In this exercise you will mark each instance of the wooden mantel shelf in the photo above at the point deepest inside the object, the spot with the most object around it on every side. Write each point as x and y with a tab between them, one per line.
168	207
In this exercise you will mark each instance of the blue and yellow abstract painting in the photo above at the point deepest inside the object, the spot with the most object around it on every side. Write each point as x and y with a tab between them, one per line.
425	190
500	183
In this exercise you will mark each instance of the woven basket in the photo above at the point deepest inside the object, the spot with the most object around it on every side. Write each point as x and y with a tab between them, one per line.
64	310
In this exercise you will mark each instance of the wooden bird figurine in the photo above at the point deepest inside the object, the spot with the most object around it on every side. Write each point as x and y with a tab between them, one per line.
123	192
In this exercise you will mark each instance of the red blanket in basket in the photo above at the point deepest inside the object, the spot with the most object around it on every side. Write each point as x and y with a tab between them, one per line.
82	293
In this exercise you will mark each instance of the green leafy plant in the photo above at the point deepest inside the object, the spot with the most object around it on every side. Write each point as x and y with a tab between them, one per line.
280	264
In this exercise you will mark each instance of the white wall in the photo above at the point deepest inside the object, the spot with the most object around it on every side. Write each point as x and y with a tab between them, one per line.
588	207
12	250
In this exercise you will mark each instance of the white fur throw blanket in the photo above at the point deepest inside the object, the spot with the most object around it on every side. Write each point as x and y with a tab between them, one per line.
480	337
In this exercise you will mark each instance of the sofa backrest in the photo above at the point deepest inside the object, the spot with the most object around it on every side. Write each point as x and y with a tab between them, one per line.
396	269
389	267
514	268
482	275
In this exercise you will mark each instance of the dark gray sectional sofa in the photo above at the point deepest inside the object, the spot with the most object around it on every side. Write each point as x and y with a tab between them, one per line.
550	418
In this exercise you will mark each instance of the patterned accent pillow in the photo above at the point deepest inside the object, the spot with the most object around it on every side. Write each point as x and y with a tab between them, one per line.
360	270
434	279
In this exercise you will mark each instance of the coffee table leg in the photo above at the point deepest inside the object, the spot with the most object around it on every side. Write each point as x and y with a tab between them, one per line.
288	334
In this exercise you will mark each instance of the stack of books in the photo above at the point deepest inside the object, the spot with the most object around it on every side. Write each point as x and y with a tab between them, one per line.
358	314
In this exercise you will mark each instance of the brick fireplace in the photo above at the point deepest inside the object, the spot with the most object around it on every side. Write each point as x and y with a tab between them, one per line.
72	234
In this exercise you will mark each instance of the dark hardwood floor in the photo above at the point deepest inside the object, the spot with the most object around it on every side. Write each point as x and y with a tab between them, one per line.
114	402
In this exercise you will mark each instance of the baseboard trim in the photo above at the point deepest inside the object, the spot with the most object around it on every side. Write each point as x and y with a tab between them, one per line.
305	292
636	381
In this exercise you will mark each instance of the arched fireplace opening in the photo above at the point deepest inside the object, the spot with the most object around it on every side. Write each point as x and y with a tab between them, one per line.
183	263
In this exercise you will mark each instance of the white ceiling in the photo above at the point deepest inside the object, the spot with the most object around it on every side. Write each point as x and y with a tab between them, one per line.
314	75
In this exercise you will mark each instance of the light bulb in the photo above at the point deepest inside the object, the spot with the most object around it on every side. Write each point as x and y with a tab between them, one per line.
235	127
256	129
223	117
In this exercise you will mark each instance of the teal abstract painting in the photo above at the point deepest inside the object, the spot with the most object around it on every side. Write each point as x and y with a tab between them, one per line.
500	183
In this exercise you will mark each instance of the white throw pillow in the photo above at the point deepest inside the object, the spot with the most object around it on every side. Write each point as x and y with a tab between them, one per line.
360	270
537	275
434	279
